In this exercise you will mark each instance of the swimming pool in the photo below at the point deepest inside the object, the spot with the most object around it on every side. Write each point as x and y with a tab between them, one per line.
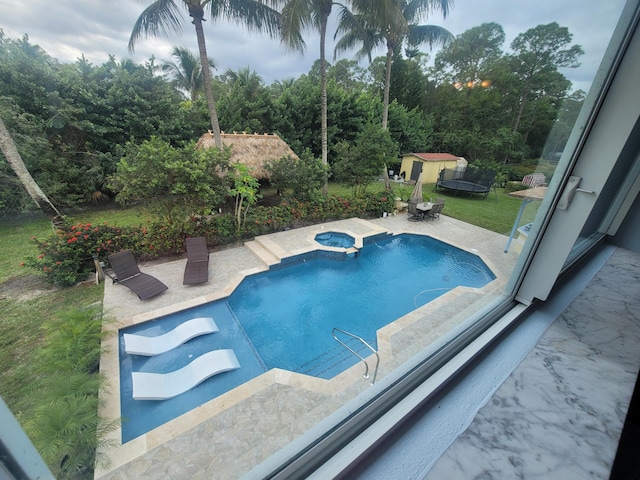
283	318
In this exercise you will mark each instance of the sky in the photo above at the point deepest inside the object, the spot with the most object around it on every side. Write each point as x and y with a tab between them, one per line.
67	29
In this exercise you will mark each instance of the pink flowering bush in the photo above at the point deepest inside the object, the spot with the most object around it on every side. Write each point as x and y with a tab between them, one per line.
66	257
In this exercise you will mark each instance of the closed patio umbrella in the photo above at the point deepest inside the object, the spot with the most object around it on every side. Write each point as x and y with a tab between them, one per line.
417	190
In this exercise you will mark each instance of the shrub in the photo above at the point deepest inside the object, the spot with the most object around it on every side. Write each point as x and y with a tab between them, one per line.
261	220
66	429
381	202
174	182
220	230
514	187
503	174
517	172
300	179
66	257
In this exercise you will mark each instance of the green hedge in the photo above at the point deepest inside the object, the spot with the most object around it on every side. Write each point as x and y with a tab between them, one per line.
66	257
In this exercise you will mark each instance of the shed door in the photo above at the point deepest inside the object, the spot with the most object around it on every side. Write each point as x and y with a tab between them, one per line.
415	170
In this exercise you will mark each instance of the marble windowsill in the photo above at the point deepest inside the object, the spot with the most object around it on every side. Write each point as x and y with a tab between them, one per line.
561	412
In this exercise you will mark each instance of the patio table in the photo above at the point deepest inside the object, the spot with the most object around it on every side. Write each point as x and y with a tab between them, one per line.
529	195
424	208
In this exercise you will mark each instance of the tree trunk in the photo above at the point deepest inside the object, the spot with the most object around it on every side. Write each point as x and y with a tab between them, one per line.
197	13
387	87
14	159
385	107
323	102
523	99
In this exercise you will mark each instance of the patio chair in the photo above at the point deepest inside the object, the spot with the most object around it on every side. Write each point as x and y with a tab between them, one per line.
197	268
438	205
412	210
127	273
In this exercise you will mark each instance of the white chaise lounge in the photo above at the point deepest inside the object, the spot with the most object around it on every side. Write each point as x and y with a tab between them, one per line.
160	386
141	345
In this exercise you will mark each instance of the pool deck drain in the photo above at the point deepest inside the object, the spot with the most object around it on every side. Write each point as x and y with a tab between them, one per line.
225	437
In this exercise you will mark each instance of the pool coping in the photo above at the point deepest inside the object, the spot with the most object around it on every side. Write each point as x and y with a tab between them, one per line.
271	250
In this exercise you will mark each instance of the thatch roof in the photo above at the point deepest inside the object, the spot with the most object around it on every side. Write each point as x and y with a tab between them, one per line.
251	149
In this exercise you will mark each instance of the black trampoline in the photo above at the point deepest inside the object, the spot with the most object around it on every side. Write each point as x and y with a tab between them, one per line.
471	180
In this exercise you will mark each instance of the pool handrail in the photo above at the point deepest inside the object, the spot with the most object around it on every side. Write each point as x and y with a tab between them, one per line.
366	365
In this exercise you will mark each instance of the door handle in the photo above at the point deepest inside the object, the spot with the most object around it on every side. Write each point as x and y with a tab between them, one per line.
569	192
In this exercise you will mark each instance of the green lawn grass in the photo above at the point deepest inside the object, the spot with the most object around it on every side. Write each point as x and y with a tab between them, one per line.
21	319
496	212
16	244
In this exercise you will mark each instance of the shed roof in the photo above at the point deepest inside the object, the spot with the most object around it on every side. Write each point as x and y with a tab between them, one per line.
433	157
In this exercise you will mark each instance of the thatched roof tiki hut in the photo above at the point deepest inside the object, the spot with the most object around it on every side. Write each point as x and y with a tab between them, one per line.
253	150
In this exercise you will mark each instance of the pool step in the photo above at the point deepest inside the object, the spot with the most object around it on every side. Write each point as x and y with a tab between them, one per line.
263	252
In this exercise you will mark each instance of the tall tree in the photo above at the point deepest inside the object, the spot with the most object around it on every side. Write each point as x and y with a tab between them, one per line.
185	71
298	16
10	152
391	24
361	160
164	16
538	54
471	56
247	104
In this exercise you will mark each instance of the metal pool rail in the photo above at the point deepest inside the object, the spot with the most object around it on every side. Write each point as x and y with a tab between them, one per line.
366	365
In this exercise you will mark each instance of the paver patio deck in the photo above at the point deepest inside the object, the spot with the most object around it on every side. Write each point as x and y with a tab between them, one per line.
229	435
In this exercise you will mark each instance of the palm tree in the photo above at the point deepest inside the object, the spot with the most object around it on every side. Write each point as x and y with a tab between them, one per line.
279	86
185	72
163	16
300	15
391	24
9	150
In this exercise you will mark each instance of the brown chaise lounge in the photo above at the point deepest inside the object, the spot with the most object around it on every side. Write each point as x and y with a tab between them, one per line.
127	273
197	268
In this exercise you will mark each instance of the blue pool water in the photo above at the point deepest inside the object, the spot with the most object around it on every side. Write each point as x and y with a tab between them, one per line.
283	318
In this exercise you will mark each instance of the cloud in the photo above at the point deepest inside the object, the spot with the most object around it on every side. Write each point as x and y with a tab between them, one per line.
67	29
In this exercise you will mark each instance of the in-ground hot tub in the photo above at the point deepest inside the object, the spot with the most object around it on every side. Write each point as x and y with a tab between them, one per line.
335	239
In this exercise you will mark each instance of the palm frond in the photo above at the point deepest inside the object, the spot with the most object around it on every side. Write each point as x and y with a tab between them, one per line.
431	35
296	17
161	17
416	10
385	12
255	15
357	31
